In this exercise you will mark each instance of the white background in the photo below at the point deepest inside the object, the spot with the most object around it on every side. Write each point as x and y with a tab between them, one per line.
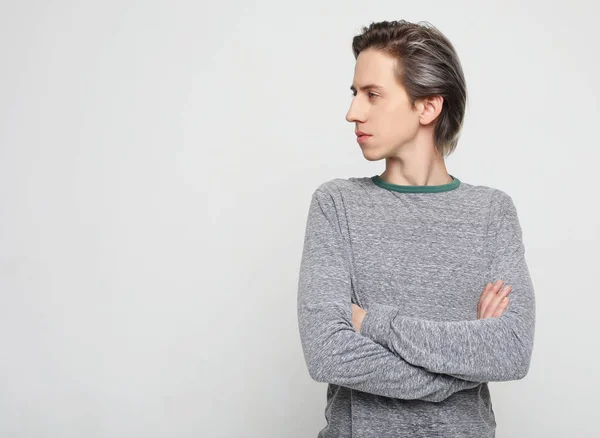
156	165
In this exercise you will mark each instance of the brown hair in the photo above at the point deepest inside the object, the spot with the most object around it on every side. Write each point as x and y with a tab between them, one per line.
427	65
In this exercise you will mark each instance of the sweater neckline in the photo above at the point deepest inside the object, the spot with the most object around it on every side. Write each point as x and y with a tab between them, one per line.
416	189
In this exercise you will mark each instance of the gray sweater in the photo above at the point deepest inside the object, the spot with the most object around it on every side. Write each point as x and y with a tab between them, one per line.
416	258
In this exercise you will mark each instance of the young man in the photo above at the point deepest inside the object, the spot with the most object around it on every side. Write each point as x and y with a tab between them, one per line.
390	305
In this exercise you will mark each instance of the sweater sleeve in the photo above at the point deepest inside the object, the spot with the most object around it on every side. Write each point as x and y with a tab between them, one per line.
483	350
333	350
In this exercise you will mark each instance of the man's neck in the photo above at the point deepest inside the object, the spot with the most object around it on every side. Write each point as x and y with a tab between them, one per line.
418	167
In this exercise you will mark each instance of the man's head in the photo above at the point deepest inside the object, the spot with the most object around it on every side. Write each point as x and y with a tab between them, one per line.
422	89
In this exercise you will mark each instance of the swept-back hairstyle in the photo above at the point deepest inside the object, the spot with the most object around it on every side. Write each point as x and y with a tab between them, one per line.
426	65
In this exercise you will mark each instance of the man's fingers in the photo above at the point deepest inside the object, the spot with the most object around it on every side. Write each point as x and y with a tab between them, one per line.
491	309
488	295
480	302
501	307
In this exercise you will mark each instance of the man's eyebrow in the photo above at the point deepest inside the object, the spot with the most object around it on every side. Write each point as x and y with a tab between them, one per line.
367	87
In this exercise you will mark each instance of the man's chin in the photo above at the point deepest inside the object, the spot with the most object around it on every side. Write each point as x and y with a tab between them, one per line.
372	154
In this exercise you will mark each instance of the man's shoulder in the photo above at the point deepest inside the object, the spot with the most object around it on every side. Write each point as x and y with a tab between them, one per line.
340	186
499	204
495	195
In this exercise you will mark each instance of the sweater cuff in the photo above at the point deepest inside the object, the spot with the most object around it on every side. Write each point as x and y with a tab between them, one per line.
378	322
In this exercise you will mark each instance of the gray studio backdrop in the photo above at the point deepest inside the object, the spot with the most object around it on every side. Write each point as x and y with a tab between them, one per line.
157	160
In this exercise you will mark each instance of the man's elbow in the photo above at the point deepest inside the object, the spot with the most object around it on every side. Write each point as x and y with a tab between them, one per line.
525	352
314	360
317	374
319	368
515	369
523	369
322	364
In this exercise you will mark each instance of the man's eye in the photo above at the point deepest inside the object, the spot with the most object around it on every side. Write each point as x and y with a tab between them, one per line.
370	95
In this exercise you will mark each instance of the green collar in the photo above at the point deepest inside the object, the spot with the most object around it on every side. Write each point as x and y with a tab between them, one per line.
416	189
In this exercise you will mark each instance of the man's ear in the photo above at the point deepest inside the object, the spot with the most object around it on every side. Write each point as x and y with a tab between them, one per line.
431	107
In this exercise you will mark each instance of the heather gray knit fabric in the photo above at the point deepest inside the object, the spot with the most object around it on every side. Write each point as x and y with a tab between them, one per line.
416	258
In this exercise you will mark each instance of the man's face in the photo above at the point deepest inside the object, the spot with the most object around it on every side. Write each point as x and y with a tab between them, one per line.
384	111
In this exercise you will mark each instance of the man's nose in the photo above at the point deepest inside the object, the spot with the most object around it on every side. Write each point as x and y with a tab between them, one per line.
354	114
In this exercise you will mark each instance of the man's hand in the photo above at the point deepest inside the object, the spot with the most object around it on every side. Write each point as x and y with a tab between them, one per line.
358	314
493	300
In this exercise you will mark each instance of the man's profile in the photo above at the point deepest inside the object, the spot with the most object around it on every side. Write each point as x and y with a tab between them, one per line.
413	291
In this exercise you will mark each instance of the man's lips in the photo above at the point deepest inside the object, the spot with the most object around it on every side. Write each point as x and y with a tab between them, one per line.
362	137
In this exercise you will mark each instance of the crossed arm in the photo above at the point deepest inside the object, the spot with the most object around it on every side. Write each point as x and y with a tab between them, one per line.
483	350
334	352
404	357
